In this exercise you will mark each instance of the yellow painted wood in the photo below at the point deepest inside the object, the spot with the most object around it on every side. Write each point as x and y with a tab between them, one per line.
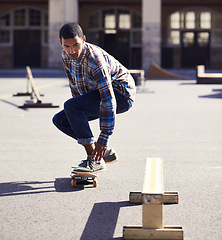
153	176
30	78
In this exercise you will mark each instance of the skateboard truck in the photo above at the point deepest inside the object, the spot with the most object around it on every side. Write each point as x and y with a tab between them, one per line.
78	177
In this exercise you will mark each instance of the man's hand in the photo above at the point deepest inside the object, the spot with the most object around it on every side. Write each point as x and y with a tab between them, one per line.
99	152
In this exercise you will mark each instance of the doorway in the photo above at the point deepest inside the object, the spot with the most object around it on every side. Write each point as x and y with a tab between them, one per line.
119	32
118	46
195	48
27	48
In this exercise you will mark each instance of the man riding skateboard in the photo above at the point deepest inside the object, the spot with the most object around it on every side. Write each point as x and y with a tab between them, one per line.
101	87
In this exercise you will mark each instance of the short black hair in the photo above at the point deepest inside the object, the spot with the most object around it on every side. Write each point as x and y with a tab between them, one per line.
70	30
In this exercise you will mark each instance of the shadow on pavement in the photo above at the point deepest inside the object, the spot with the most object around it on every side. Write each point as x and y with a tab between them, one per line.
23	188
37	187
217	94
64	185
13	104
188	83
102	221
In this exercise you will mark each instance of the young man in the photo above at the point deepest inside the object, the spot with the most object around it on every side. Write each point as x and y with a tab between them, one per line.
101	87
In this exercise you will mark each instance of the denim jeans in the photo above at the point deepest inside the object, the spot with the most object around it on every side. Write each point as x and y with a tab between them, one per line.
78	111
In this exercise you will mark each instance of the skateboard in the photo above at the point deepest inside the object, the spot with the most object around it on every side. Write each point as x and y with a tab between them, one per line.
78	177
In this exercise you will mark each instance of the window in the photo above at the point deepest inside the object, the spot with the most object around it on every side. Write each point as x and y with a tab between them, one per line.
188	39
174	37
175	20
118	29
23	18
110	23
203	39
195	19
205	20
5	20
4	36
115	19
124	21
34	17
190	20
5	29
19	17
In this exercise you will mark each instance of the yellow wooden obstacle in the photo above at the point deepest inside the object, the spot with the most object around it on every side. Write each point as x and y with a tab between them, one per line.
207	78
35	101
152	198
141	80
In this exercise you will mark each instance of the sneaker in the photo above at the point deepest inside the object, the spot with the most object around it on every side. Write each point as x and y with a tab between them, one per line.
90	166
110	156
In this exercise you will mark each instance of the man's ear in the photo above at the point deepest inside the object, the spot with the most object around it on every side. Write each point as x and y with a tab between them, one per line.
60	40
84	38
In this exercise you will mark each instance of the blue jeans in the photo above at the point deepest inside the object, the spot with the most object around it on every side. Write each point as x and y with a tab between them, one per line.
78	111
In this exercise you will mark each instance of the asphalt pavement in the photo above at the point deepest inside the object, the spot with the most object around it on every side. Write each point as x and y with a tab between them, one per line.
176	120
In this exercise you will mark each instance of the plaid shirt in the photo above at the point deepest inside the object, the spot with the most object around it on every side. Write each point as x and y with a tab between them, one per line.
95	69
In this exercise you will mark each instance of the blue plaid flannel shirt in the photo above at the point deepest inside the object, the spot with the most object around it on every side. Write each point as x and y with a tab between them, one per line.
95	69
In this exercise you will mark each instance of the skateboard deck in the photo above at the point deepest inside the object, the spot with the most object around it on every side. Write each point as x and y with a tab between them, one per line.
78	177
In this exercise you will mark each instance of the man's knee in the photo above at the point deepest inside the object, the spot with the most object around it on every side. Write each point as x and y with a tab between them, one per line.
70	104
57	118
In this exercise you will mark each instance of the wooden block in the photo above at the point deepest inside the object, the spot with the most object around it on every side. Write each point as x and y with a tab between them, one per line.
135	197
152	215
171	198
167	232
200	69
152	198
168	197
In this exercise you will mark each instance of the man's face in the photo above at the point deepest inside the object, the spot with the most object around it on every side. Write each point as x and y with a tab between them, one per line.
73	46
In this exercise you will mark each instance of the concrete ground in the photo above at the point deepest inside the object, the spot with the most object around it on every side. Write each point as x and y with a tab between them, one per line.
176	120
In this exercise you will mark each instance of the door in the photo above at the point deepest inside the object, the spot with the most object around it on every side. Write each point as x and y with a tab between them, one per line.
118	46
27	48
195	48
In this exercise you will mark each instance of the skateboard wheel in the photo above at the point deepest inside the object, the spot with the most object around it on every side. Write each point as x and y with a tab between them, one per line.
73	183
95	182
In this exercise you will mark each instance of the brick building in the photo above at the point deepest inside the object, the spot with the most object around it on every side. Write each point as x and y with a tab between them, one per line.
172	33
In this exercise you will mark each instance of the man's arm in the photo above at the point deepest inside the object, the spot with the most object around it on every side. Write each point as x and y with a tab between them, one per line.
107	109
